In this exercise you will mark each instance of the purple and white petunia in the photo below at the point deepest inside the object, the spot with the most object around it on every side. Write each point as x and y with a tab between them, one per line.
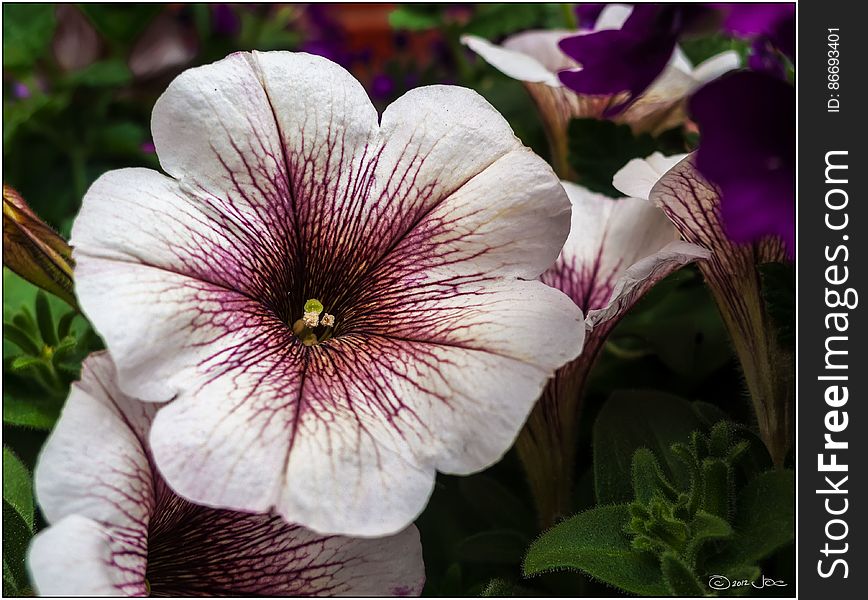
536	59
116	528
693	205
338	307
748	150
617	250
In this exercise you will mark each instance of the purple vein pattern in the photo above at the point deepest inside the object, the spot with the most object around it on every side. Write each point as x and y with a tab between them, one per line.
118	529
616	251
694	207
423	234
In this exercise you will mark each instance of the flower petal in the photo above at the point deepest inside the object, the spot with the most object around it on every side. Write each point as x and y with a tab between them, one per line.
116	487
357	437
717	65
607	237
122	525
637	177
693	206
532	56
641	277
198	551
78	557
214	131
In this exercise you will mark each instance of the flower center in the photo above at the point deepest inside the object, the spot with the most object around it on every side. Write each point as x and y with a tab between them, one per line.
314	326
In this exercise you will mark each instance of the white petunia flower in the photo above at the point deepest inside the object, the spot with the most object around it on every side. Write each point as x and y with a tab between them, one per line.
422	233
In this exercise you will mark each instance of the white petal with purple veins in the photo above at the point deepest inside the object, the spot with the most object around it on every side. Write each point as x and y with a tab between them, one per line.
417	235
77	557
115	524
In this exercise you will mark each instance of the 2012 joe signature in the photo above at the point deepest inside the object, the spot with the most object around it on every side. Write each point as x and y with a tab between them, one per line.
721	582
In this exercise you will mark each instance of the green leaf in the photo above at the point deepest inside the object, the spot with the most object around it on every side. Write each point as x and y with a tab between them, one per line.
706	527
20	338
598	149
10	586
27	404
105	73
679	577
16	537
44	319
701	48
630	420
416	17
17	486
594	542
27	31
120	23
708	413
648	479
679	322
779	295
764	522
123	138
496	20
502	588
717	483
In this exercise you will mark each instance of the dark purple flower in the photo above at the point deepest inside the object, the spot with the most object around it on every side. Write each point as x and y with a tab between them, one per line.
631	58
765	59
382	86
774	22
20	90
748	148
224	19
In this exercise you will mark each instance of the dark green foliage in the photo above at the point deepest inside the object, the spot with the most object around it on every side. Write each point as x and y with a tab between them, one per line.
598	149
676	531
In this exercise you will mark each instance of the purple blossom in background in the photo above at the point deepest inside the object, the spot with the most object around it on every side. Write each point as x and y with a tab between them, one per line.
224	19
20	90
764	58
325	36
631	58
382	86
773	21
748	149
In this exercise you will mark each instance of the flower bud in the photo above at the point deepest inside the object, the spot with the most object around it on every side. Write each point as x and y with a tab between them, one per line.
33	250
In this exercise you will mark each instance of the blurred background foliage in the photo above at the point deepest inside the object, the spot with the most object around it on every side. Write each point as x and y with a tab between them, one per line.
79	83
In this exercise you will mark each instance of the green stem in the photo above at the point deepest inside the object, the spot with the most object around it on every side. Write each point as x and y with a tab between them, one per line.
569	15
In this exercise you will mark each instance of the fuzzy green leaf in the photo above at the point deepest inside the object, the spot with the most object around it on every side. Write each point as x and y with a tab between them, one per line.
595	542
717	486
27	404
18	486
16	537
764	522
679	578
45	320
630	420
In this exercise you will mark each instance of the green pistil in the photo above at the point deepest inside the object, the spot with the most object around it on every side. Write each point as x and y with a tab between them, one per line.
305	327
